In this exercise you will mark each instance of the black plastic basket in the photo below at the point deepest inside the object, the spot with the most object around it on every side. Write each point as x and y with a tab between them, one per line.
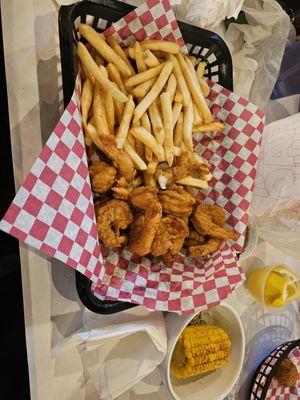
202	44
267	369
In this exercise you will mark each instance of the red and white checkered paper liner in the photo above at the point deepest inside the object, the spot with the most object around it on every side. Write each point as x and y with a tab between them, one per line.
276	391
53	210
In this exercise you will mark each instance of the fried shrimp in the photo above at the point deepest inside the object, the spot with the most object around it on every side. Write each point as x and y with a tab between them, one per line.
205	220
176	201
121	160
144	226
122	189
195	238
102	176
169	237
208	247
112	216
186	165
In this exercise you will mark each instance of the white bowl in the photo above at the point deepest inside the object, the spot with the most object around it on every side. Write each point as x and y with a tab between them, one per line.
217	384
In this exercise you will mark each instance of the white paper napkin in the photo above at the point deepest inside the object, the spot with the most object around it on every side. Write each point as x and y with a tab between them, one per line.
118	350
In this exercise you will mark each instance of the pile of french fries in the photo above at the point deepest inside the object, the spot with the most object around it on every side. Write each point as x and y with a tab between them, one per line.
148	95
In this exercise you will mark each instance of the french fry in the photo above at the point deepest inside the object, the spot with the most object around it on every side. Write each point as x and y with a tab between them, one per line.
114	76
207	177
156	122
131	140
144	76
98	59
149	179
178	131
93	134
144	136
171	86
190	181
201	69
125	122
87	137
176	112
152	166
86	74
178	97
177	151
104	70
118	49
90	134
166	108
197	117
161	45
195	89
110	111
139	148
99	110
142	89
199	76
140	63
150	59
145	123
182	85
193	60
119	109
138	162
86	100
213	127
131	52
104	49
188	117
155	90
93	70
204	87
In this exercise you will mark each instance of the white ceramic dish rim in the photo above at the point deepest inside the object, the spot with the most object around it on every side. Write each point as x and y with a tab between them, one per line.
180	332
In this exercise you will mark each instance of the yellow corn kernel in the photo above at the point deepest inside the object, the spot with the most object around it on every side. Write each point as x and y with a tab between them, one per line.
200	349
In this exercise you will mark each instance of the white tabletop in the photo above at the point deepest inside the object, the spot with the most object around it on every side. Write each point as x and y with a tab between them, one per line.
51	305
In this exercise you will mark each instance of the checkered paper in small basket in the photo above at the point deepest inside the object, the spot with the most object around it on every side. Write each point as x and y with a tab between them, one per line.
276	391
53	210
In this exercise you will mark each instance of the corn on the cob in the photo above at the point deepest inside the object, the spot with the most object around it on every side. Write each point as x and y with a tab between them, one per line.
200	349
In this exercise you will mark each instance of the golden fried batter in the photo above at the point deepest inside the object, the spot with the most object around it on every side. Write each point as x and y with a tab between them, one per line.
287	374
187	164
208	247
122	189
120	159
102	176
169	237
176	201
195	238
144	226
206	221
143	196
112	216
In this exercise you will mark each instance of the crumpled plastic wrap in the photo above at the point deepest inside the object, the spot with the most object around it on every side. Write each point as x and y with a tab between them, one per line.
256	48
206	13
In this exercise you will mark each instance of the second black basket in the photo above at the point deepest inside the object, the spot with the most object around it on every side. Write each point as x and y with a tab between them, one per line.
202	44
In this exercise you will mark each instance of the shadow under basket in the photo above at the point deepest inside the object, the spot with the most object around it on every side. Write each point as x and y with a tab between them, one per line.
202	44
267	368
